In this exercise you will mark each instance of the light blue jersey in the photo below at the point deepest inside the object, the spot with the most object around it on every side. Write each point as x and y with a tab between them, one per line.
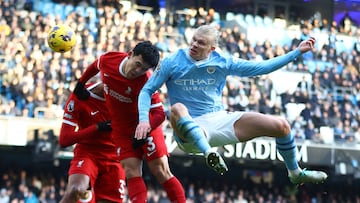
199	84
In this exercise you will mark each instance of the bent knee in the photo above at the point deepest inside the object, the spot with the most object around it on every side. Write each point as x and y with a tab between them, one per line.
162	174
178	109
160	169
76	191
284	127
130	173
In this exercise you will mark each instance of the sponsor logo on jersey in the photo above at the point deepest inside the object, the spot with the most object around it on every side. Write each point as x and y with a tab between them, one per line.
119	96
190	82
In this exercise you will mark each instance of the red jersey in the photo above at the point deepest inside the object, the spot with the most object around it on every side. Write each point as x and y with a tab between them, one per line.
84	115
121	95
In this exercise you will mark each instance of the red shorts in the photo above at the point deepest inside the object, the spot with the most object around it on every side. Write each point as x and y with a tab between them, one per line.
153	148
107	178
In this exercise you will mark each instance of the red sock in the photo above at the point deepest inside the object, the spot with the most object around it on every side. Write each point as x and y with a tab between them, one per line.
174	190
137	190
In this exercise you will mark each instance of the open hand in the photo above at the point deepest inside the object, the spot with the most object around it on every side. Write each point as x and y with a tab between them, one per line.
142	129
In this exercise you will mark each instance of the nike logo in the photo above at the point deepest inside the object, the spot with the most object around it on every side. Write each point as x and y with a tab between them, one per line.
106	75
94	112
151	153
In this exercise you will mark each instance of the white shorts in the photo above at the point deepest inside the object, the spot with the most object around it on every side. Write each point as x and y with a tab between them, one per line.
218	128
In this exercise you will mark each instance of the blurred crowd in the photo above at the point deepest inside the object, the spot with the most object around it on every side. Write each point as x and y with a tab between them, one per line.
39	186
35	82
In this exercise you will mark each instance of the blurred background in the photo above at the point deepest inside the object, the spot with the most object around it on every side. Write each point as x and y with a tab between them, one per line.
319	93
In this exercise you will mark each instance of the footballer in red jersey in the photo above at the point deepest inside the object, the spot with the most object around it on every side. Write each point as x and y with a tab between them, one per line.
123	75
95	173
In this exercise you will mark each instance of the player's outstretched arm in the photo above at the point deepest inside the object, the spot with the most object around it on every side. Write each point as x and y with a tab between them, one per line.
69	136
80	91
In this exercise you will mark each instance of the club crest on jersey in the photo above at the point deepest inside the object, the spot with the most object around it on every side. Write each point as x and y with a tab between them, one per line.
128	91
211	70
80	163
70	106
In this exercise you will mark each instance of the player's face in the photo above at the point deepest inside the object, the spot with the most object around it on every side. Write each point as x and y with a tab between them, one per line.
200	46
135	66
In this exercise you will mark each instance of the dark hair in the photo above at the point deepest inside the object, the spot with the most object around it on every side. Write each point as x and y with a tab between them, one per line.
149	53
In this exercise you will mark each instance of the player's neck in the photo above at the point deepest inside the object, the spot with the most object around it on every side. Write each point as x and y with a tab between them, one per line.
98	90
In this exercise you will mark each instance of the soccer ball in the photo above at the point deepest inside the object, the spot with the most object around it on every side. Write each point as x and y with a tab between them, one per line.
61	38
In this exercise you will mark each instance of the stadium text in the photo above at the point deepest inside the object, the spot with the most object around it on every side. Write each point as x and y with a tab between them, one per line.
260	149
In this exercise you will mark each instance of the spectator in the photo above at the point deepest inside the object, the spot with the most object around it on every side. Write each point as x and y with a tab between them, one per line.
306	113
4	197
346	23
310	131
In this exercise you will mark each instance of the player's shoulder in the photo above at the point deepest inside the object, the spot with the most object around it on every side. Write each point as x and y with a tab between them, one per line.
177	54
71	103
220	57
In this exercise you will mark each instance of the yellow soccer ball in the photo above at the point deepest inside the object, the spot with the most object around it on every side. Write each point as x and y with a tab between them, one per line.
61	38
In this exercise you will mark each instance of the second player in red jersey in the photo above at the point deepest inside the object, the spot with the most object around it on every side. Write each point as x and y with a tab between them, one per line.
95	168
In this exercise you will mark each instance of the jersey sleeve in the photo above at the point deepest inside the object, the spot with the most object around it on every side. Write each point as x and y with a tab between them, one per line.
155	81
245	68
157	113
91	71
69	134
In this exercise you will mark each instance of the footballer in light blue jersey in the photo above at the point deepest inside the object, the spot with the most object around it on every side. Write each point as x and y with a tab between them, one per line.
195	78
199	84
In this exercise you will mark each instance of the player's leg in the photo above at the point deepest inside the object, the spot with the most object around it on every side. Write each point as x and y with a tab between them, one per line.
157	159
189	131
252	125
136	186
110	186
131	161
160	169
77	189
82	175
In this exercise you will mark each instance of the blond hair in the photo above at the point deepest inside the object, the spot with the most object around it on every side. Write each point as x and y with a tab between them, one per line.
209	31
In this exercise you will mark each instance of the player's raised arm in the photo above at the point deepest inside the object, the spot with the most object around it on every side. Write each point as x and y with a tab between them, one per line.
80	90
143	128
307	45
